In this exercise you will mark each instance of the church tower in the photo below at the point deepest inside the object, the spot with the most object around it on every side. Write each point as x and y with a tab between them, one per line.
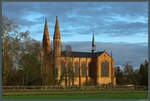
57	49
45	71
93	44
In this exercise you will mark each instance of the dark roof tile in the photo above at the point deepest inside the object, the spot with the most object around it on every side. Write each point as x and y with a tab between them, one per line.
82	54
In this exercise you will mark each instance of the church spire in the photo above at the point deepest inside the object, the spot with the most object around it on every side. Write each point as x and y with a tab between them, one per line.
57	49
46	41
56	33
93	44
56	40
93	41
45	27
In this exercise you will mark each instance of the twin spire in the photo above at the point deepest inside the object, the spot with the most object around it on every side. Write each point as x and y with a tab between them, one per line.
56	32
46	40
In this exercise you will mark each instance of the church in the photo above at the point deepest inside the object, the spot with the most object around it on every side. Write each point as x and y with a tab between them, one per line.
77	68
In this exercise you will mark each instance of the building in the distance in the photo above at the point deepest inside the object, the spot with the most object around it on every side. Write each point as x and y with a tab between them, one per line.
77	68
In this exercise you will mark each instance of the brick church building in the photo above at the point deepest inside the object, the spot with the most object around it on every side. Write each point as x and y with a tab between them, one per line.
76	68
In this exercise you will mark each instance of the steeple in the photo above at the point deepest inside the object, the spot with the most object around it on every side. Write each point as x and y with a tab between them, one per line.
56	33
46	41
57	49
93	44
46	70
56	40
93	41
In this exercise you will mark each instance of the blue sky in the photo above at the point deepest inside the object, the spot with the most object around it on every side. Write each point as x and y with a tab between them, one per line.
123	23
111	21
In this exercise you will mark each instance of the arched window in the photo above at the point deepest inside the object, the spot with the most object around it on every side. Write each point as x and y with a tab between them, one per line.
69	67
104	69
76	69
83	69
62	67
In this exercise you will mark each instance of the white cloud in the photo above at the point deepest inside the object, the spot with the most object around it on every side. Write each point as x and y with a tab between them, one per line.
32	16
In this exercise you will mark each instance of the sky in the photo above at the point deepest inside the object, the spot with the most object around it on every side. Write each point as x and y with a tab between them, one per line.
118	26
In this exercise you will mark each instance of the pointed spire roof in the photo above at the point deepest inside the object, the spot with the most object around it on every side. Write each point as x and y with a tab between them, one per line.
93	41
45	21
46	30
46	41
93	44
56	32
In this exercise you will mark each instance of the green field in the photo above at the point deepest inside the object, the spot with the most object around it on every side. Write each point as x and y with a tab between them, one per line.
106	95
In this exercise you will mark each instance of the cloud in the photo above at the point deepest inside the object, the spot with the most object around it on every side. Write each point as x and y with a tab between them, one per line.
32	16
112	19
124	28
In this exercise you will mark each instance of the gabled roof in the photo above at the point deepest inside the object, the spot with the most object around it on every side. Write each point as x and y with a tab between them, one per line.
82	54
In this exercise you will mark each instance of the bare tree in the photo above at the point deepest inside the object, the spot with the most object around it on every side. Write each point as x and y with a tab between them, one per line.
68	50
68	74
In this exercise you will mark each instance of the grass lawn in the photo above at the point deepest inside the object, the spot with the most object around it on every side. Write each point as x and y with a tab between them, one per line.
129	95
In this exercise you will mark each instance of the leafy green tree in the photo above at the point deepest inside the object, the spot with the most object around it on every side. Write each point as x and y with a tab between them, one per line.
143	72
31	68
129	74
118	75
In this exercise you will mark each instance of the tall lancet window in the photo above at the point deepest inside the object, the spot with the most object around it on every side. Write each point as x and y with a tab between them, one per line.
62	67
104	69
76	69
83	69
69	67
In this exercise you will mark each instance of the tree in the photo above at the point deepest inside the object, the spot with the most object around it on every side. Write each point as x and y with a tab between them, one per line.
11	39
143	72
128	69
21	56
129	74
29	63
68	50
6	28
118	75
68	73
